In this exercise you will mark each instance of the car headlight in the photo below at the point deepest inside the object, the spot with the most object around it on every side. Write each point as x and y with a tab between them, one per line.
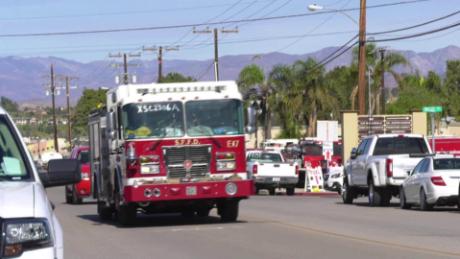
150	169
22	234
225	165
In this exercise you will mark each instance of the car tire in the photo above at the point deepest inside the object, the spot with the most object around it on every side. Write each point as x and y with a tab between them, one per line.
374	196
189	214
203	213
228	210
424	206
68	196
75	198
126	214
104	212
347	192
402	200
290	191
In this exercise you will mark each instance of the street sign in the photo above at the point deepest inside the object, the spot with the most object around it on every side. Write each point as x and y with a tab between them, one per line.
432	109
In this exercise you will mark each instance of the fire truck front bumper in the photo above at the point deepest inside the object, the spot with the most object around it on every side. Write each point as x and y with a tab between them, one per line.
189	191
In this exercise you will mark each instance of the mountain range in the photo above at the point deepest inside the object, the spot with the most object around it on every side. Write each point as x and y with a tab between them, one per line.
25	79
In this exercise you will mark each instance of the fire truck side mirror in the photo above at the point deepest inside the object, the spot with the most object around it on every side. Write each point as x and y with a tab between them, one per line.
110	125
251	126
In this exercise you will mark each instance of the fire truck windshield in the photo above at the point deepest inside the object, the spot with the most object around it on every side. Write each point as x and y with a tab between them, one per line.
214	117
144	120
311	149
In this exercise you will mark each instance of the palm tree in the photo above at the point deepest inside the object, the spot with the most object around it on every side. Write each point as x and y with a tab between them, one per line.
391	61
252	83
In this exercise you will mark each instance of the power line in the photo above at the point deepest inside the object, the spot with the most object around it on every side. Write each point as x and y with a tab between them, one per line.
420	34
166	27
416	25
113	13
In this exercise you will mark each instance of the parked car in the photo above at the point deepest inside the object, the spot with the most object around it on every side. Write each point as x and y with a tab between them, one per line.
28	225
333	179
270	171
379	166
75	193
433	182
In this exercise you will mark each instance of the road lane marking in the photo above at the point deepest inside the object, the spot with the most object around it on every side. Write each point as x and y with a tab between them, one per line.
354	238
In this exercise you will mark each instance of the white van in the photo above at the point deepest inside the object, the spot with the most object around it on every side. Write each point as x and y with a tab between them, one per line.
28	225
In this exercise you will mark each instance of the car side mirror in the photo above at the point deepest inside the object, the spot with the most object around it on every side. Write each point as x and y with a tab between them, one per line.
61	172
354	153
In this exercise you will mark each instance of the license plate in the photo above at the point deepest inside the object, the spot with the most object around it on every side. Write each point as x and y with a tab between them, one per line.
190	190
276	179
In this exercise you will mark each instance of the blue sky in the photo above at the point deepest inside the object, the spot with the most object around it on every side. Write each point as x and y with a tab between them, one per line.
37	16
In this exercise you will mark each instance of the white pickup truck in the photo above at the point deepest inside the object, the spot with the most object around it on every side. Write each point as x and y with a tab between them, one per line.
380	164
271	171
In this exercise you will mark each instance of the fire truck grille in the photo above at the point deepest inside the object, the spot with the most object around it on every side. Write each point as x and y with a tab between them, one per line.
200	157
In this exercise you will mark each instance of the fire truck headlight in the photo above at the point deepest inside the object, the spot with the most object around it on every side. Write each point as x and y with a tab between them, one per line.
225	165
231	188
150	169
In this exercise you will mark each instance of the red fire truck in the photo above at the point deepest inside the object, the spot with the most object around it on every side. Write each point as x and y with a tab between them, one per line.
446	144
166	148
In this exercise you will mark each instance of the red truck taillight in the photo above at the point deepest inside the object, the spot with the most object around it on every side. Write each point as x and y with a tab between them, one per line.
389	167
254	169
437	180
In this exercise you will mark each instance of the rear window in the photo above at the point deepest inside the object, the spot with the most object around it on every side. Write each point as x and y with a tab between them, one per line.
400	145
446	164
83	157
265	157
337	149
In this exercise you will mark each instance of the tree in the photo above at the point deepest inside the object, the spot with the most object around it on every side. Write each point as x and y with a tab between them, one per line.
90	100
391	62
249	77
9	105
176	78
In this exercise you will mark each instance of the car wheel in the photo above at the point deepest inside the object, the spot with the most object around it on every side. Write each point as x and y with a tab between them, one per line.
402	200
203	213
104	212
228	210
347	193
423	203
374	196
68	196
290	191
75	198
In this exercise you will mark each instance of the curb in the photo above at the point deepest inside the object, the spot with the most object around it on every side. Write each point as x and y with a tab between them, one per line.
329	194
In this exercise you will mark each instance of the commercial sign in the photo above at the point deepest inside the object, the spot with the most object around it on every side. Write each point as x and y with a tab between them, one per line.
381	124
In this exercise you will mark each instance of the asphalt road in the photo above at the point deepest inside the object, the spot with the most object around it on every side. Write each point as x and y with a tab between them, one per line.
268	227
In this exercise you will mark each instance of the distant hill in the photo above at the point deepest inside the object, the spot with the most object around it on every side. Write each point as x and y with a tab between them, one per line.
24	79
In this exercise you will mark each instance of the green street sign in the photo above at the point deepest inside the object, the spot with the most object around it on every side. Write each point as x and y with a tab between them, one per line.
432	109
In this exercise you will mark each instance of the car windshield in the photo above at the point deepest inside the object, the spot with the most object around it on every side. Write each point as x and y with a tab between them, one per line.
214	117
144	120
12	156
400	145
446	164
266	157
83	156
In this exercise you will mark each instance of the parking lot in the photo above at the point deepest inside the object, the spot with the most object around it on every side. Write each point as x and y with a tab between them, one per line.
278	226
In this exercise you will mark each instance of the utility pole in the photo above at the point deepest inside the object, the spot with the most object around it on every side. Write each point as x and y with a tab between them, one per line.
216	46
160	58
362	59
216	56
382	80
125	64
69	115
53	103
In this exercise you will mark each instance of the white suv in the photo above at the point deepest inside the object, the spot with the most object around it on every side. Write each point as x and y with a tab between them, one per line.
28	225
